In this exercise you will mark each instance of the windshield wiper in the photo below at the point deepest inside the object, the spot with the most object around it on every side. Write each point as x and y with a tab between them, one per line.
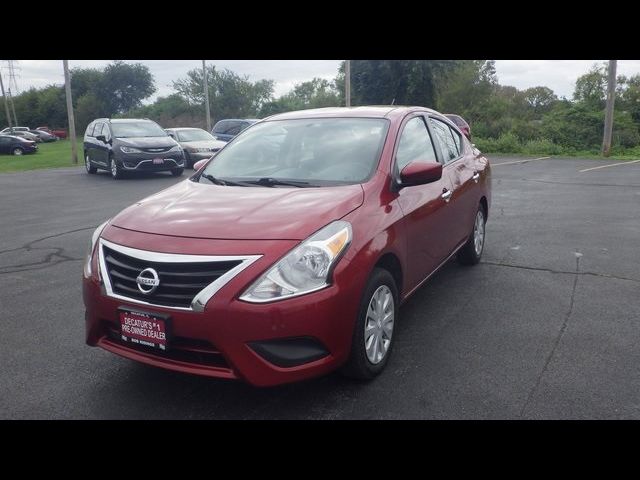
220	181
273	182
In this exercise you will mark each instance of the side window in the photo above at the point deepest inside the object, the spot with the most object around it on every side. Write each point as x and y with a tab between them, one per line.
457	140
415	144
97	130
4	140
445	139
89	132
106	132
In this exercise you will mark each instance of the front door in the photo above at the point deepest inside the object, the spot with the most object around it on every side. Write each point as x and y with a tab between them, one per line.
425	207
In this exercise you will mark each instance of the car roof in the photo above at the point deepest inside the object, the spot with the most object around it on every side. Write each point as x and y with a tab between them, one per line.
185	128
238	120
369	111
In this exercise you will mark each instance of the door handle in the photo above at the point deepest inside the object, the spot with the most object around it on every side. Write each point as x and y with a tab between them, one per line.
446	195
476	177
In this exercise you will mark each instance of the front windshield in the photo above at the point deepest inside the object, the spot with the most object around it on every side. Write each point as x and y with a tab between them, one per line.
137	129
195	135
319	151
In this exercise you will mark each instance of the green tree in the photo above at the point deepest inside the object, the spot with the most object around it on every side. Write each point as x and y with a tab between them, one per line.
540	99
125	85
230	95
401	82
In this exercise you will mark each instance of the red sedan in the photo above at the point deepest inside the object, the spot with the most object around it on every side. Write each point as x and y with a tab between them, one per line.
288	254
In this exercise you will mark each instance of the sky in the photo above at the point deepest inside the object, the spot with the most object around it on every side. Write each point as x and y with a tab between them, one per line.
559	75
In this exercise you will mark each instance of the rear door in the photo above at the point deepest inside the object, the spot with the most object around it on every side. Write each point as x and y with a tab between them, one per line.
5	143
425	210
459	168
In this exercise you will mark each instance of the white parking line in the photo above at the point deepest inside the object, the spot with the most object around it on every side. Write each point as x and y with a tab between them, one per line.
519	161
607	166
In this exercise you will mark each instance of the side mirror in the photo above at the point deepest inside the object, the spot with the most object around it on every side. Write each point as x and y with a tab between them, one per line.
420	173
199	164
102	138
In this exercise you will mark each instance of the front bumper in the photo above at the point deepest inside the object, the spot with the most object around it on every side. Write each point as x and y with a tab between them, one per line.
145	162
263	344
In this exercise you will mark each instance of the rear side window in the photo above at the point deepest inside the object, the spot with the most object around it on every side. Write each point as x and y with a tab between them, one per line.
445	139
97	130
457	139
228	127
89	132
415	144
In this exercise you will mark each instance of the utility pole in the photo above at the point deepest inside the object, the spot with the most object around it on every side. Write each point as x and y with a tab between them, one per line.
13	107
608	115
206	95
347	82
6	105
72	123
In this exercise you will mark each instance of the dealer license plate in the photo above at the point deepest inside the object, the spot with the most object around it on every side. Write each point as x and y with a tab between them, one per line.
143	328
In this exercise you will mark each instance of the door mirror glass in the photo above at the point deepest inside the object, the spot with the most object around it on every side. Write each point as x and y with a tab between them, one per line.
101	138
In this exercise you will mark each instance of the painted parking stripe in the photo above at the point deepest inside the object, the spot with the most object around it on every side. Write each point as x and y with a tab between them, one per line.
519	161
607	166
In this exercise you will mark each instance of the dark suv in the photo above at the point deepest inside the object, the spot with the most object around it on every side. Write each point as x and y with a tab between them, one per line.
225	130
130	145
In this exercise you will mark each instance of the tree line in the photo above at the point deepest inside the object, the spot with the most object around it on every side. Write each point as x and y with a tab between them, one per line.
502	118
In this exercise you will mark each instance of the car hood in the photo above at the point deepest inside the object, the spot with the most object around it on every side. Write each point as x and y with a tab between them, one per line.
195	210
147	142
204	144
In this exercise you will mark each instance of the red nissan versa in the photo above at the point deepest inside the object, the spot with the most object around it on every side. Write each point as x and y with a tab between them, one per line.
288	254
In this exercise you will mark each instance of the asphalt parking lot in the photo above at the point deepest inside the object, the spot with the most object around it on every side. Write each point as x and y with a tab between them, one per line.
546	327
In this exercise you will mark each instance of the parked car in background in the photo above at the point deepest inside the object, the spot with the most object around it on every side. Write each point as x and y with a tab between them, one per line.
280	270
461	123
21	132
16	145
58	132
44	136
130	145
198	144
225	130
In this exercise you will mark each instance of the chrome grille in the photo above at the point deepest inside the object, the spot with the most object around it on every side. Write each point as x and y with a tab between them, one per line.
186	281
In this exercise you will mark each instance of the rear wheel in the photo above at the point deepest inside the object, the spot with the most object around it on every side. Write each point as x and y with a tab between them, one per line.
87	164
373	335
471	253
17	151
176	172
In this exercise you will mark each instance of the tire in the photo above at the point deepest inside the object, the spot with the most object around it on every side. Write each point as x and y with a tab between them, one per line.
176	172
87	165
17	151
116	172
471	252
360	365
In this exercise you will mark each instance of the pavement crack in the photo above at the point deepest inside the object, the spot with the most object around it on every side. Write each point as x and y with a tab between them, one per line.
563	328
566	272
29	245
55	257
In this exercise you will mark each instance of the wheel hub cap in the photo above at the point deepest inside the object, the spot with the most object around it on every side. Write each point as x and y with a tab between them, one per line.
478	233
378	328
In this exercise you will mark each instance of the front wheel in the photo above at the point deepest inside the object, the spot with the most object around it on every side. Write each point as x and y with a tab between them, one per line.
17	151
471	253
176	172
373	335
116	173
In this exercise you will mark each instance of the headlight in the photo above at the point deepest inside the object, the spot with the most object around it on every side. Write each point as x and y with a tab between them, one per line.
92	246
306	268
130	149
